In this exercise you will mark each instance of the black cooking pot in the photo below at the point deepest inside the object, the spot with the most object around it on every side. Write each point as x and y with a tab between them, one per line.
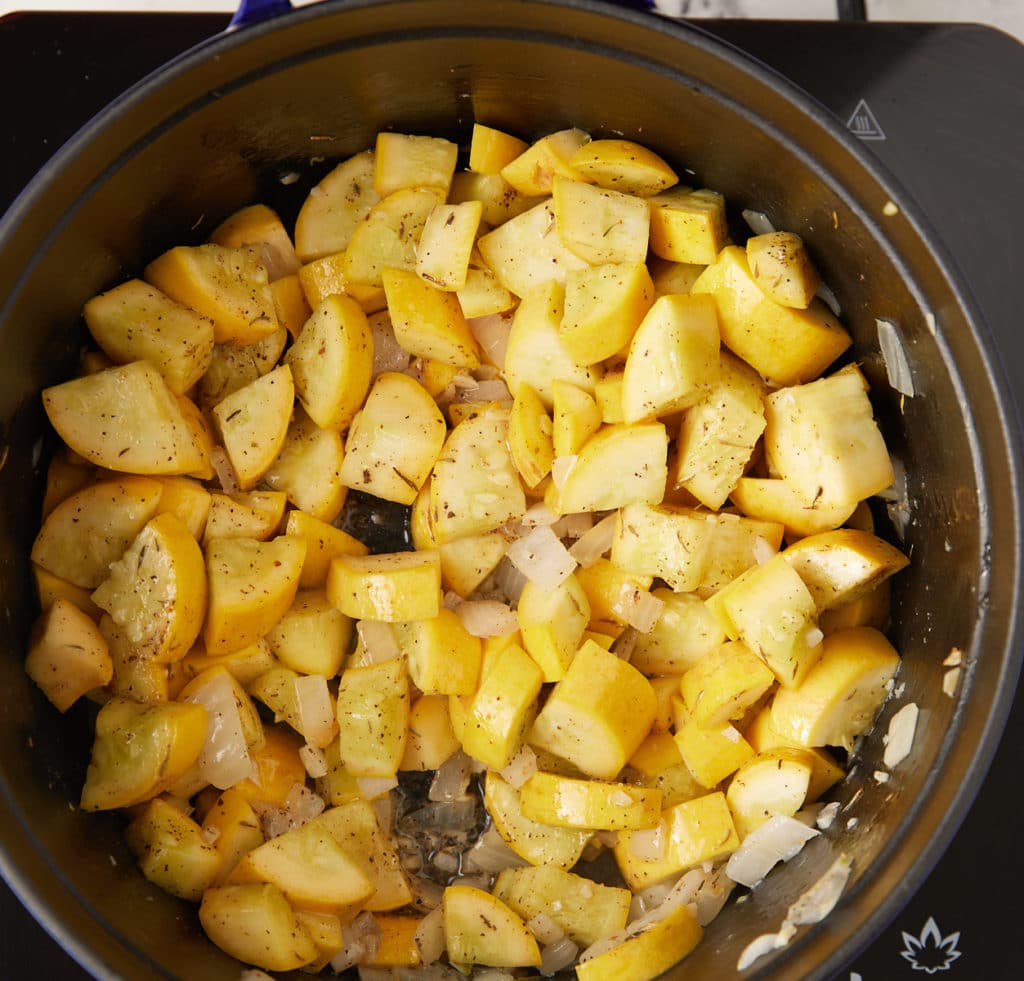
259	114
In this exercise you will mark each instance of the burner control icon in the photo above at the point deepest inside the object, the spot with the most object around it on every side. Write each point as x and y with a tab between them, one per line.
930	952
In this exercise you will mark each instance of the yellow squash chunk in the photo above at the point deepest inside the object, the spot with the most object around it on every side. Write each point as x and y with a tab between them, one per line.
766	786
234	828
710	753
245	665
611	594
218	679
308	468
404	160
870	610
323	543
475	487
585	910
491	149
290	304
68	655
724	683
694	832
719	432
140	750
331	362
599	225
673	357
623	165
575	417
334	208
93	527
134	677
136	322
327	276
355	827
325	930
782	268
444	658
233	366
671	543
392	587
737	544
253	424
543	845
255	924
310	867
608	395
373	718
156	591
535	354
841	566
172	852
397	946
467	562
428	322
772	499
597	715
533	171
251	585
824	769
660	764
619	465
688	226
276	689
446	244
500	201
502	708
822	439
645	955
245	514
526	252
770	609
786	345
260	228
480	929
395	439
431	738
229	286
529	436
604	305
125	419
684	633
673	277
570	803
313	636
189	500
552	622
840	697
66	474
482	295
387	237
278	767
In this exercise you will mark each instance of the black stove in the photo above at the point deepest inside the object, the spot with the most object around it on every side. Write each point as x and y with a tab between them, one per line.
941	105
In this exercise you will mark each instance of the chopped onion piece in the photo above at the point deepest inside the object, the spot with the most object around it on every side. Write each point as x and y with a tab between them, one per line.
361	939
595	542
900	737
491	333
302	804
429	936
818	901
226	476
487	618
560	468
642	609
758	947
950	680
451	780
537	515
759	222
317	718
314	761
777	840
388	354
373	787
897	368
542	558
494	390
827	815
464	382
649	843
210	833
763	550
712	894
224	759
574	526
557	956
625	644
545	929
490	853
509	580
521	767
814	637
378	641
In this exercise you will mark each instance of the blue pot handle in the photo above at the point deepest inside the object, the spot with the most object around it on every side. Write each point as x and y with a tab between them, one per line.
254	11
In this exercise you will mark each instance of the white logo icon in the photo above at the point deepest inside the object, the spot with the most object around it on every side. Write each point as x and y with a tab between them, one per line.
863	124
931	951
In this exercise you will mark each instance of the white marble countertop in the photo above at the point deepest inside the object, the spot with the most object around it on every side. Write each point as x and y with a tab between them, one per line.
1008	15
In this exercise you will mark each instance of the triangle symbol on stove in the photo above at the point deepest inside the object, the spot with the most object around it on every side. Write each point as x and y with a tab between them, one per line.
863	124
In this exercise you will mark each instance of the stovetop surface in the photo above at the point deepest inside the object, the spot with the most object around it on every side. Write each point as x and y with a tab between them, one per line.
941	105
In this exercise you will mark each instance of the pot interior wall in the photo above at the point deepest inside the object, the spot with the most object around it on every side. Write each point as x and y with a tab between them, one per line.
263	120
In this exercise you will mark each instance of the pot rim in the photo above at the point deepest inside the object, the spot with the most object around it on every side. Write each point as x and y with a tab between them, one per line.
854	936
